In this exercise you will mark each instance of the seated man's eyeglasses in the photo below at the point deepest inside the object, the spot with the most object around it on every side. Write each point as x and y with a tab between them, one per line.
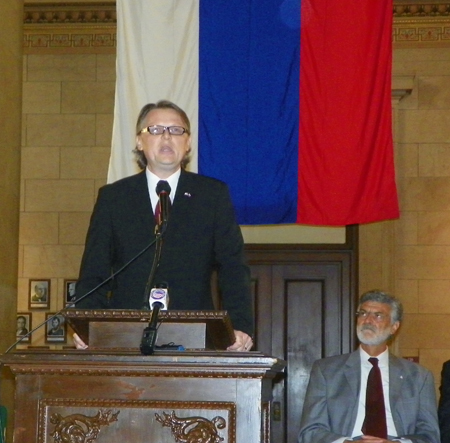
159	130
377	316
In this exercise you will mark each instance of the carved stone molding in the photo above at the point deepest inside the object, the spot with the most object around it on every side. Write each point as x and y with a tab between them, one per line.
421	9
421	24
105	11
90	27
402	85
423	32
65	13
69	28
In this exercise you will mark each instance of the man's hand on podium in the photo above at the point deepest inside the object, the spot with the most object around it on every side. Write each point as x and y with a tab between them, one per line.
243	342
79	344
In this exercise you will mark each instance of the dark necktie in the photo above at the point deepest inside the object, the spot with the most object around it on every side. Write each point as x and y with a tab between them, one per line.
375	420
162	186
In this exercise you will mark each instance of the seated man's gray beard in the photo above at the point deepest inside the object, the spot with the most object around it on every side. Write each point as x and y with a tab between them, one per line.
376	340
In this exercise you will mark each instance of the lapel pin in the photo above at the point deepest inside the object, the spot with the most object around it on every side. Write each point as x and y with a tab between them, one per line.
187	194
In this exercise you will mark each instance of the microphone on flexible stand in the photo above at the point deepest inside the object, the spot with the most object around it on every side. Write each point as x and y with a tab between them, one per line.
162	217
163	191
158	301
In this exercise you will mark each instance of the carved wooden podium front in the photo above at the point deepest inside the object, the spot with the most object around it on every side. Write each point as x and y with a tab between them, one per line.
117	395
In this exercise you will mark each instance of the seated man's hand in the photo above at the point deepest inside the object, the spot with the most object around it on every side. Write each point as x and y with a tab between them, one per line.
243	342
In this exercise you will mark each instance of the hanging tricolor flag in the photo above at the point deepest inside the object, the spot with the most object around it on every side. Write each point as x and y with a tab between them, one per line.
293	100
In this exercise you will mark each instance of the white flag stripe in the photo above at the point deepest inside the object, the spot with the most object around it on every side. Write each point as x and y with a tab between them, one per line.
157	58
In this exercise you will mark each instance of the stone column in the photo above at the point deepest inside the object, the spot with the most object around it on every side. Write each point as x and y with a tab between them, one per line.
377	245
377	240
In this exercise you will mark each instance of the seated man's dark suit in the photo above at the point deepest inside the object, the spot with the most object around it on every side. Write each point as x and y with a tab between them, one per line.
332	397
202	235
444	403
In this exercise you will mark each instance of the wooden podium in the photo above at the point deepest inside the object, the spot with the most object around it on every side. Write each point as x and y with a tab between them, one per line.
113	394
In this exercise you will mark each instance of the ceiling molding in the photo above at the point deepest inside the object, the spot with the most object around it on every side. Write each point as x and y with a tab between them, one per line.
69	27
85	13
421	24
421	9
90	26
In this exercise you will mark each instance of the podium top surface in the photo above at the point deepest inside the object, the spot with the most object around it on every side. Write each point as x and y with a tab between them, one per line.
122	328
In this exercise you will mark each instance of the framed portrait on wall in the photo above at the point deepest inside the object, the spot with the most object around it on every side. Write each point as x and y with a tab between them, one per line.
23	326
39	293
55	329
69	291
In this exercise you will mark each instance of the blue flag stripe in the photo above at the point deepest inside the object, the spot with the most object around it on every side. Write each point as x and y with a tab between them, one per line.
249	104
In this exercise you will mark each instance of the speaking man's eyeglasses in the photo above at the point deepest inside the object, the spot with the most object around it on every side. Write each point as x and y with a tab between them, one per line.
159	130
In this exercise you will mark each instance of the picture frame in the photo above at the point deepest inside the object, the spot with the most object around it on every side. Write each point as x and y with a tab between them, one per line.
55	328
23	326
69	290
39	293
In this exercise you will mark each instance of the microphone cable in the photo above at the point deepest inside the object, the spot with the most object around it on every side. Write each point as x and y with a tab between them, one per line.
72	304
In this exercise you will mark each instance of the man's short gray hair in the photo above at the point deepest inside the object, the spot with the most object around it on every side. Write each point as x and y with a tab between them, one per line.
383	297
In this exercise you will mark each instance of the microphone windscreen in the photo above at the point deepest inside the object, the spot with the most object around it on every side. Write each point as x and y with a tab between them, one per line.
162	186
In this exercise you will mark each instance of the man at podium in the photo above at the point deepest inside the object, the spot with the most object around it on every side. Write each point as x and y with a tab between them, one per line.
200	232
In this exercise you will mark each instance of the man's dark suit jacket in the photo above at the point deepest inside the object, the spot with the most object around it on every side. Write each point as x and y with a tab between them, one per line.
202	235
444	403
332	397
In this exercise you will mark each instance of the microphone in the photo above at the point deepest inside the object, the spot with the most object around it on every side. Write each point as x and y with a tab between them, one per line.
163	191
160	294
159	301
